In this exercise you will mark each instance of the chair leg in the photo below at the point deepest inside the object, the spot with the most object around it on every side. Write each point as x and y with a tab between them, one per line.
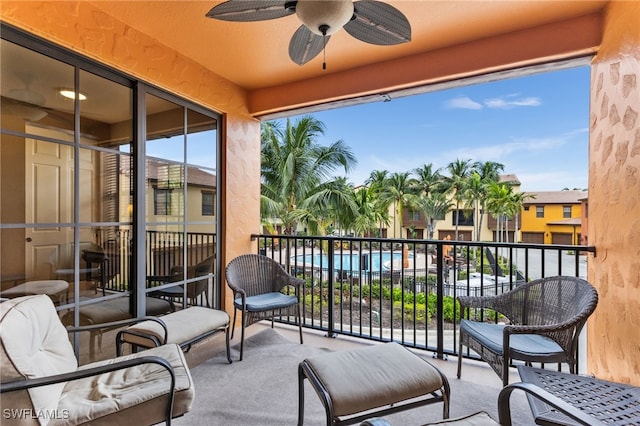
233	328
226	336
505	370
459	357
242	334
300	323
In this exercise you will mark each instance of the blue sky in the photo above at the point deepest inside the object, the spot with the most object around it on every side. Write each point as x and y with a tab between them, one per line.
537	126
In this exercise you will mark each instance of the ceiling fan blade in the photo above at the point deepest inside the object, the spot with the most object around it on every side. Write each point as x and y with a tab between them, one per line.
252	10
378	23
305	45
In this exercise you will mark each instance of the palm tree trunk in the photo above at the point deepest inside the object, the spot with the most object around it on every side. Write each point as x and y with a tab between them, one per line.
457	217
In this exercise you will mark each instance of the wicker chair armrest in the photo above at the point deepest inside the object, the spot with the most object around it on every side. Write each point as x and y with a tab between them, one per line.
541	329
237	290
95	371
480	302
283	279
504	409
296	282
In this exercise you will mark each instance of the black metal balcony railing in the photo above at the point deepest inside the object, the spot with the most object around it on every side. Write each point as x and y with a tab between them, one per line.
375	288
164	252
404	290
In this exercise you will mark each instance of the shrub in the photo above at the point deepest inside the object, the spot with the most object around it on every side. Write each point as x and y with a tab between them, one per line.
408	310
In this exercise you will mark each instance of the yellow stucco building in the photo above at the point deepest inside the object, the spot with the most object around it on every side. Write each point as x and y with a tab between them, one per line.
552	217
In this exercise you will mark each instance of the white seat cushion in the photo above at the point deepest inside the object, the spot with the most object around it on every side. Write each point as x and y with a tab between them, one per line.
113	398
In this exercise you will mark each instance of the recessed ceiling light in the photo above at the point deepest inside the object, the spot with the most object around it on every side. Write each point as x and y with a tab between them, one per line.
70	94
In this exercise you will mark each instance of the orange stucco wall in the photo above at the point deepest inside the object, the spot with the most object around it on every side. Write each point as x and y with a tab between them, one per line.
88	31
614	197
512	50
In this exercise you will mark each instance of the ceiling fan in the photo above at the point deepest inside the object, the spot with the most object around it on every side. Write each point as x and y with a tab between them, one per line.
29	105
370	21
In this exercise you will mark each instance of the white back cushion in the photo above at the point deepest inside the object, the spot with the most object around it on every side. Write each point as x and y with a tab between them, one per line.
34	344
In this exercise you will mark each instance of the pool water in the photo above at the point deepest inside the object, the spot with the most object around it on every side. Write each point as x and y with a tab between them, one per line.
375	261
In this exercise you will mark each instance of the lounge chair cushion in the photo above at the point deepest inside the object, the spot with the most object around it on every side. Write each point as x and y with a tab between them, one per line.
267	301
141	389
490	336
34	344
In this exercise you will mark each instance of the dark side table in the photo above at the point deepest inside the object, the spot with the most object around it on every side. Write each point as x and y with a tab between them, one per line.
607	402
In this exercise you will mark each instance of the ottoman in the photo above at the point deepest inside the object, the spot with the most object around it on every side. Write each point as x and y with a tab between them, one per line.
375	380
57	290
184	327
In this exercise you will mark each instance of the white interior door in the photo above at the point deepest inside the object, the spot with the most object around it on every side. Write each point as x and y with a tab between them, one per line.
48	199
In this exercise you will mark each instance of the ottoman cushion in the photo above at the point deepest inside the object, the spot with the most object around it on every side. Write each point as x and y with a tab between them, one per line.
183	326
374	376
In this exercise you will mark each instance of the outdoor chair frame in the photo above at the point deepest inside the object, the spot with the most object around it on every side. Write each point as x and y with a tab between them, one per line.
544	320
262	289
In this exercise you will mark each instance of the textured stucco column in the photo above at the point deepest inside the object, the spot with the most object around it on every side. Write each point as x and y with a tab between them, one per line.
614	197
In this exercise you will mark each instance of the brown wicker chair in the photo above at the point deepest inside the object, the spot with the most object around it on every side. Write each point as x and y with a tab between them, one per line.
544	316
194	289
258	283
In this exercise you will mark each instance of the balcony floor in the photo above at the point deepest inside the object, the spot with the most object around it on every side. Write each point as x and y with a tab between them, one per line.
473	371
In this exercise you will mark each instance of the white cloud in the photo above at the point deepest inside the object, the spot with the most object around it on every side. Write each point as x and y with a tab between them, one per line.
511	102
503	102
499	152
462	102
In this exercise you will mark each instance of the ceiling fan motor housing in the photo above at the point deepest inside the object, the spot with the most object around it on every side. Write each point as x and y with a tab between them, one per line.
324	17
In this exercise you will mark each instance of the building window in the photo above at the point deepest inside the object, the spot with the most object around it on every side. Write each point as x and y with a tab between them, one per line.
208	203
462	217
566	212
414	215
539	211
161	202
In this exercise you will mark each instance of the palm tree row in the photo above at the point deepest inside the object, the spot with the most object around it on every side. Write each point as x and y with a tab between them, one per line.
299	191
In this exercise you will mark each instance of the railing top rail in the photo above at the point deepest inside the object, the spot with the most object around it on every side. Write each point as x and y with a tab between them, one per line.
581	248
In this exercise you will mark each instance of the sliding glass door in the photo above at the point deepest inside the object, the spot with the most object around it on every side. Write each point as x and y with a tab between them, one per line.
108	190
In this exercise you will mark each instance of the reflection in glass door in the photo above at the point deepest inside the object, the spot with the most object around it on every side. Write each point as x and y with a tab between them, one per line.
181	194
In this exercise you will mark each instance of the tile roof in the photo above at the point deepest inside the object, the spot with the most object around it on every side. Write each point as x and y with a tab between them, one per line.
555	197
509	178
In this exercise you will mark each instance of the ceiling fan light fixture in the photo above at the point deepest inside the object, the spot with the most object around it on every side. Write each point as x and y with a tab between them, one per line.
71	94
324	17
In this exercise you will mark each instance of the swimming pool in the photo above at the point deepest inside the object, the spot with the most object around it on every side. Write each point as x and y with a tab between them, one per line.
375	261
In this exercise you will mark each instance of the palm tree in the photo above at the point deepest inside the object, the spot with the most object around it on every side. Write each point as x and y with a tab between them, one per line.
331	203
456	182
297	171
515	203
370	212
397	190
376	182
489	171
435	207
475	195
498	198
428	180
